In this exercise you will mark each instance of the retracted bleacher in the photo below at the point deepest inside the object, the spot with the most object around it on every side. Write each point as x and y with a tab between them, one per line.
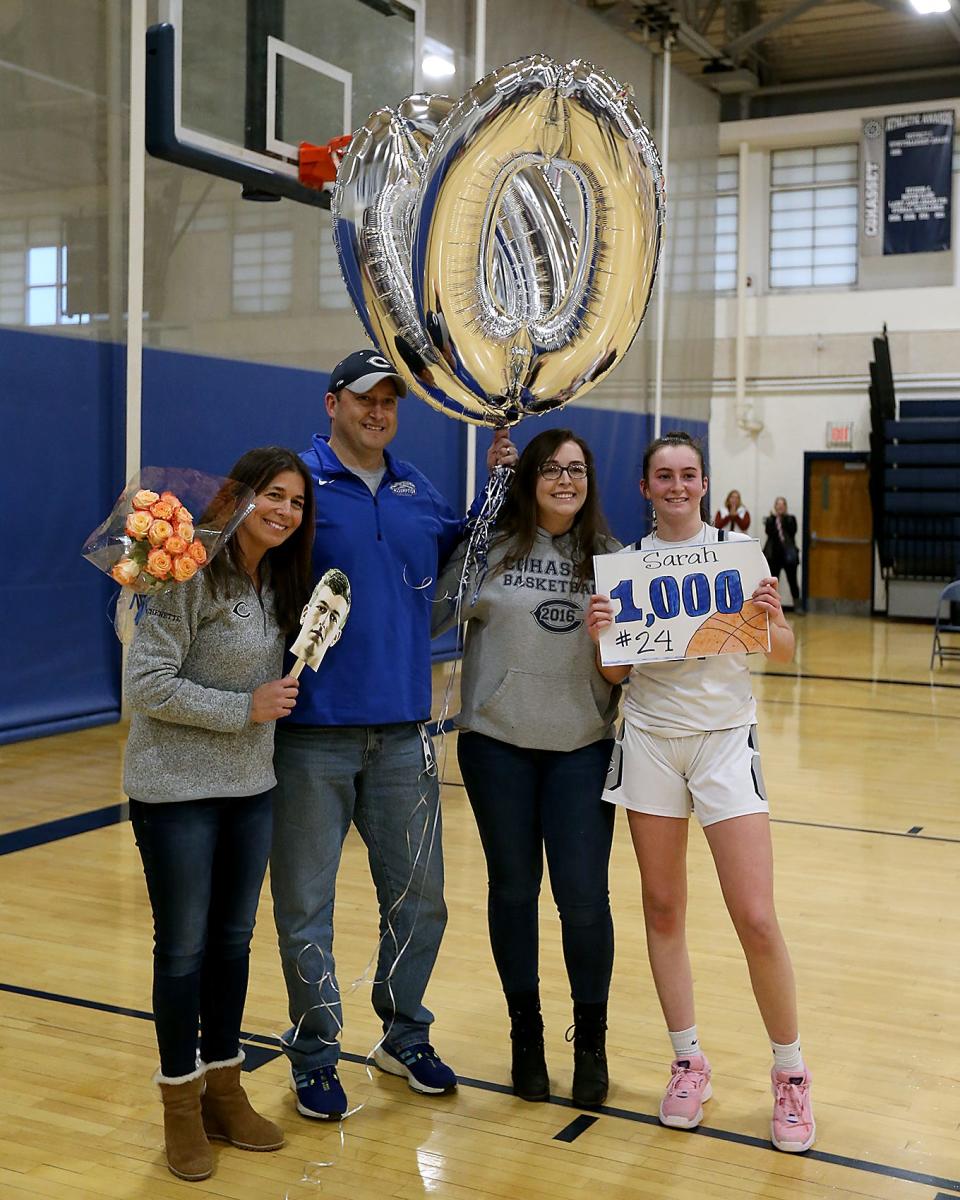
916	491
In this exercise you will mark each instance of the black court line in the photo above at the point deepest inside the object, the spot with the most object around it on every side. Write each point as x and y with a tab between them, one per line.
911	836
853	679
889	712
54	831
570	1133
625	1114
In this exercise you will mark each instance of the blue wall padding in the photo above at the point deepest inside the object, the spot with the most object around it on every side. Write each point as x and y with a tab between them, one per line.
63	460
205	412
227	407
62	406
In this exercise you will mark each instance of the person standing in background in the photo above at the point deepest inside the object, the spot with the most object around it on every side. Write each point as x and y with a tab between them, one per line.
736	518
780	548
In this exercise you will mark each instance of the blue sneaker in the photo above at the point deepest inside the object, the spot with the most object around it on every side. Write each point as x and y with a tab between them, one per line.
320	1094
422	1067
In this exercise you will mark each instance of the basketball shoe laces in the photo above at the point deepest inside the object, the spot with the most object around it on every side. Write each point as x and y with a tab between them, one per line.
790	1101
684	1081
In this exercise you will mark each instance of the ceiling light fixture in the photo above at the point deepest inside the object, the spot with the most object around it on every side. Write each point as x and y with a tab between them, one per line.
437	61
925	7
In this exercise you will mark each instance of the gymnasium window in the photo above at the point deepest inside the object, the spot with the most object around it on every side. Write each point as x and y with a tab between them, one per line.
813	217
726	207
33	274
262	260
332	291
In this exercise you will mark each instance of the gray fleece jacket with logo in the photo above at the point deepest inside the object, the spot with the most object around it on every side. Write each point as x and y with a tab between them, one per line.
529	673
191	672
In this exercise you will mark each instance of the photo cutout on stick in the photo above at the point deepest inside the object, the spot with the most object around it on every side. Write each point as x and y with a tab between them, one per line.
323	618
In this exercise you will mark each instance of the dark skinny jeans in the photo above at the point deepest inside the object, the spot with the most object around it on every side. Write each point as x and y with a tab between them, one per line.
204	862
525	802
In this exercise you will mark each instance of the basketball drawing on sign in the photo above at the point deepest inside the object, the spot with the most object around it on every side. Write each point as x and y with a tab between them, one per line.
743	632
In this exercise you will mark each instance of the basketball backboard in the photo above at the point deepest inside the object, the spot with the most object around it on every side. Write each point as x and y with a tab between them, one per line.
250	81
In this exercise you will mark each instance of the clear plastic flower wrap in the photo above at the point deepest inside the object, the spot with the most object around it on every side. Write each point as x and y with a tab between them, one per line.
168	524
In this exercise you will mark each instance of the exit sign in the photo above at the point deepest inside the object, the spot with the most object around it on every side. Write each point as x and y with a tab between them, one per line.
839	436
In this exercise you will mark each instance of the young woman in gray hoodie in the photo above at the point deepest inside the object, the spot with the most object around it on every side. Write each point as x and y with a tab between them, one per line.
203	683
536	730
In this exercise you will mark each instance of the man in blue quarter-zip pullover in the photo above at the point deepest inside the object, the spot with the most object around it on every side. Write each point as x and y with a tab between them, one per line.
356	749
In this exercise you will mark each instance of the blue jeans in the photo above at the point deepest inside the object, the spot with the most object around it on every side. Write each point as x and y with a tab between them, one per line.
375	777
525	802
204	862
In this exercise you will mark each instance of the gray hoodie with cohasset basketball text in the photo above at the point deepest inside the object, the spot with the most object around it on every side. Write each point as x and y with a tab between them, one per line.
529	673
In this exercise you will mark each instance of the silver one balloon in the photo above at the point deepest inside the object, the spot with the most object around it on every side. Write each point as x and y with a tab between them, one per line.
456	244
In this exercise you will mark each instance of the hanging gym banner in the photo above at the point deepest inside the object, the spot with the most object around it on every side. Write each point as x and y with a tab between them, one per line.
906	183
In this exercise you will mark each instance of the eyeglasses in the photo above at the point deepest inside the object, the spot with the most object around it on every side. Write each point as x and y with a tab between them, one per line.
553	470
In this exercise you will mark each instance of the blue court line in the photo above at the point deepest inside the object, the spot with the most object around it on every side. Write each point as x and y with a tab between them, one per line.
113	814
625	1114
434	727
54	831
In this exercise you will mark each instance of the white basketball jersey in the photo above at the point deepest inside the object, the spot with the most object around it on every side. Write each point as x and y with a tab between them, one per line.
676	699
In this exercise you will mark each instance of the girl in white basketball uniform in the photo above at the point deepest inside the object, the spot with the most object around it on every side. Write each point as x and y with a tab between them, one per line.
689	741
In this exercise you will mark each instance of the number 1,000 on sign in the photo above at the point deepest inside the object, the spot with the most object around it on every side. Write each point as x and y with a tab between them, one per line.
667	594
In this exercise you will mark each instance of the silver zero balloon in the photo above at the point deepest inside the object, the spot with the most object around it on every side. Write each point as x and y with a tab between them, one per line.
465	265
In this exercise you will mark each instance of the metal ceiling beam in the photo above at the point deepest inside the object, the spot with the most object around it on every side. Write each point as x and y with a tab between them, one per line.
845	81
952	19
759	32
709	12
664	18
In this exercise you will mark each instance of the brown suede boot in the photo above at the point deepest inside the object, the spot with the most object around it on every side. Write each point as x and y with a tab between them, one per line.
228	1114
188	1152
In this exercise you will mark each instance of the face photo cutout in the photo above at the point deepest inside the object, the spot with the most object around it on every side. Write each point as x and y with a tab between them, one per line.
323	618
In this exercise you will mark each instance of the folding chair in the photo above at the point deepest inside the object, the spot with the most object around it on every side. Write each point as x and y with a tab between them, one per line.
949	595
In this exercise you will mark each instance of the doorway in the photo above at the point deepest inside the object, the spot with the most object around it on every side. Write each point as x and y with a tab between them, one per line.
837	532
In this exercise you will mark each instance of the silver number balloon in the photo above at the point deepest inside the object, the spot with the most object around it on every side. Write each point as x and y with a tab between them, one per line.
453	228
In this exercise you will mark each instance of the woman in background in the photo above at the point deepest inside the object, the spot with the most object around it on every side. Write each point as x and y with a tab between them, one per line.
780	548
736	518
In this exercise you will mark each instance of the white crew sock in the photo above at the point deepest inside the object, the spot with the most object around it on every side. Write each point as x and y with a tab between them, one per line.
787	1058
685	1042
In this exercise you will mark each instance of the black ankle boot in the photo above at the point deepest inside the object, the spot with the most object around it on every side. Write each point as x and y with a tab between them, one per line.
529	1068
590	1078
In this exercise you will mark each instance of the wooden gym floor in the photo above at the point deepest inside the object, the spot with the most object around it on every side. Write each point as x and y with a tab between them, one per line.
861	749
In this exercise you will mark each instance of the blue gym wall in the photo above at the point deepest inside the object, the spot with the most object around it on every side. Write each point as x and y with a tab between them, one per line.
62	406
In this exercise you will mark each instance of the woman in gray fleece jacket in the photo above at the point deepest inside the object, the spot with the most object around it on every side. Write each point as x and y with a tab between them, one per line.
536	733
203	683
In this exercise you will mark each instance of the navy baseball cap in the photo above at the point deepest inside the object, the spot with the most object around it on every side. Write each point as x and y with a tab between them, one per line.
363	370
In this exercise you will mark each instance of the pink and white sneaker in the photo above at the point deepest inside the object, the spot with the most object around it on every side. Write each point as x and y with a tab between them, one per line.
792	1128
689	1087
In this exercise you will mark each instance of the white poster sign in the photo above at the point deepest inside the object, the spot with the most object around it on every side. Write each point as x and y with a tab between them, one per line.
683	602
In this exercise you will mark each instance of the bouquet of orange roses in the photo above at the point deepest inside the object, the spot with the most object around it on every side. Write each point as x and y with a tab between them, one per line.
151	541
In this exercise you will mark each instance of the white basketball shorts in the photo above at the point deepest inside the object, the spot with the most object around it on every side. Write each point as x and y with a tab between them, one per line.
717	774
